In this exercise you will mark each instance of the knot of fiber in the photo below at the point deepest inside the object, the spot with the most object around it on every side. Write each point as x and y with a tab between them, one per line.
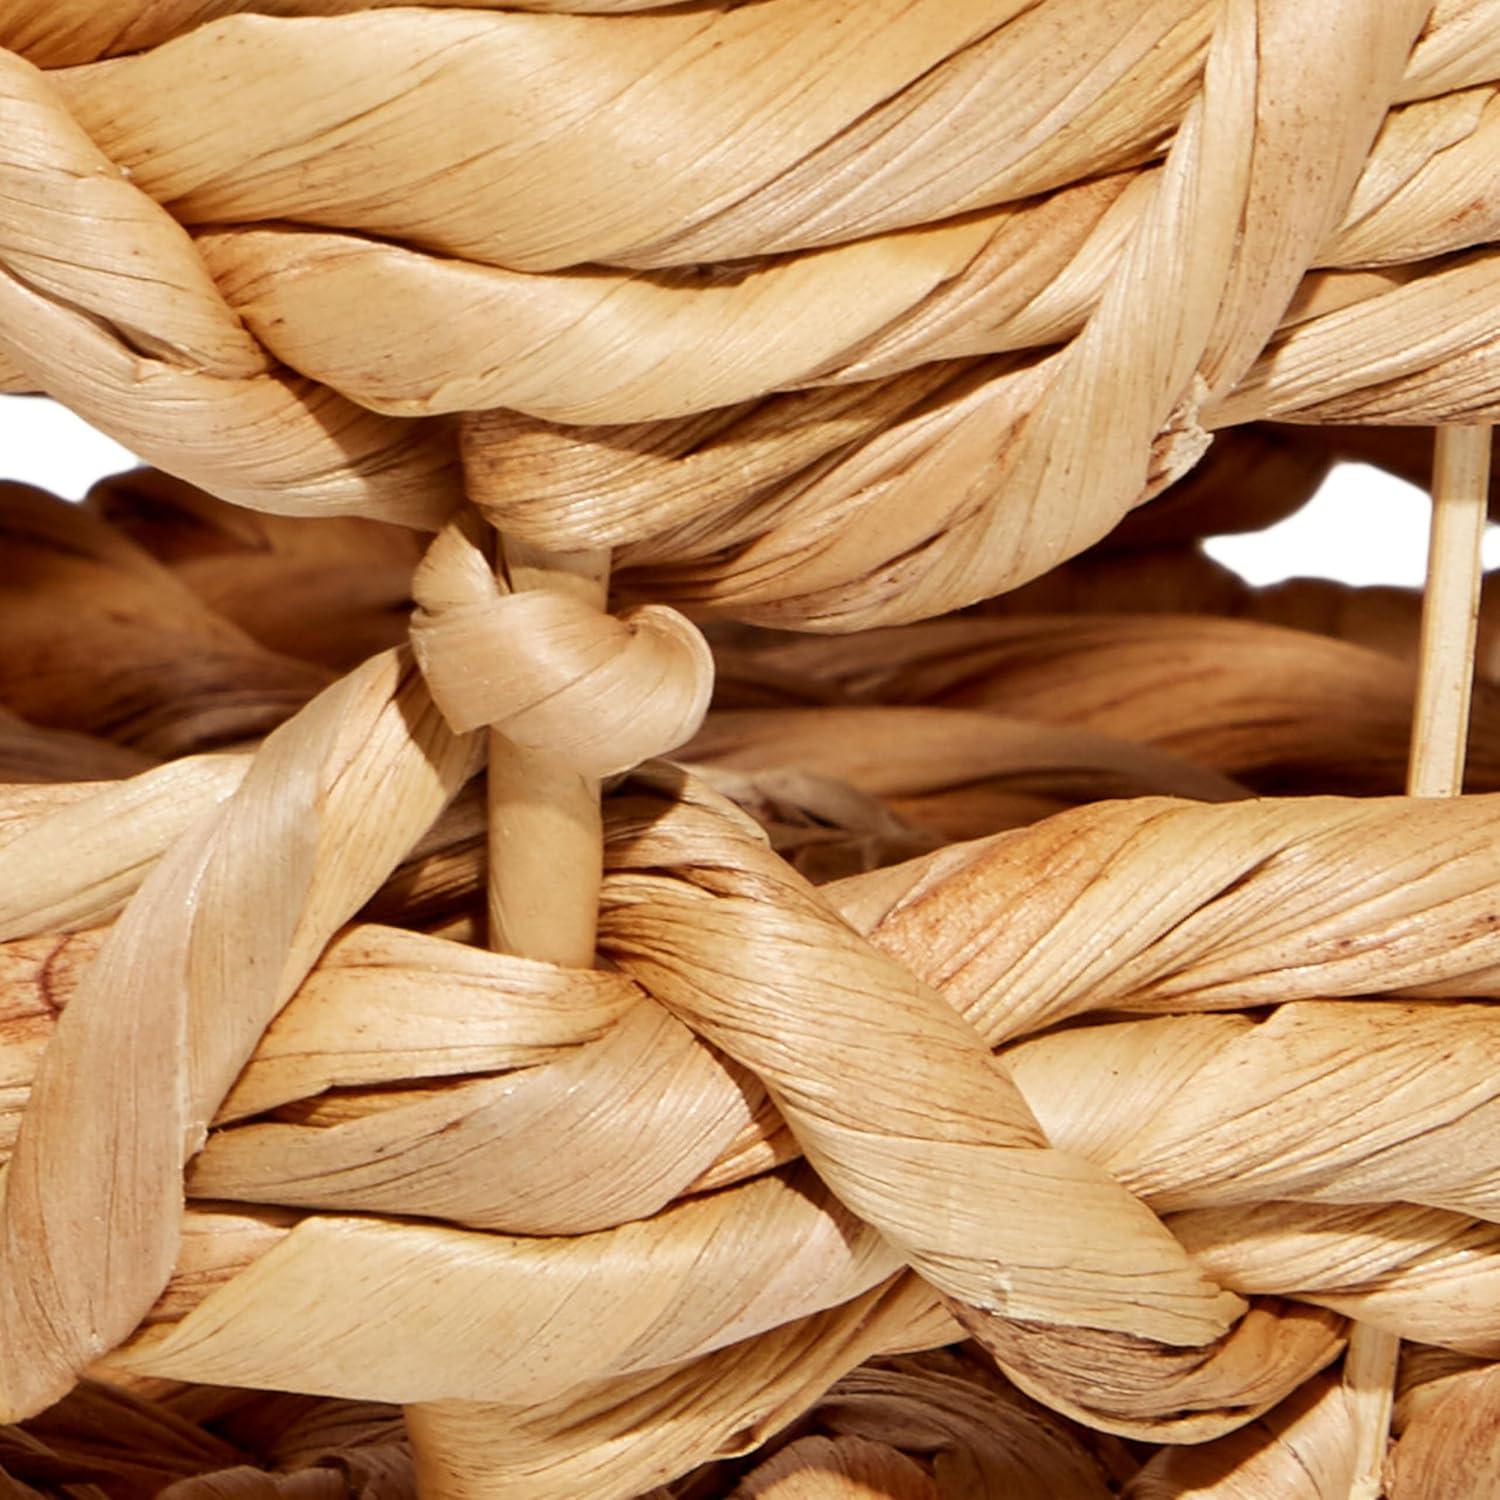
550	671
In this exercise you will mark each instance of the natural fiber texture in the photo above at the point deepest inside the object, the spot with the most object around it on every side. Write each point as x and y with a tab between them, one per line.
986	347
623	1283
917	1057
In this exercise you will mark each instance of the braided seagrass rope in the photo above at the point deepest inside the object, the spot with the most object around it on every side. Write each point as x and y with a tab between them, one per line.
1401	1287
983	368
759	537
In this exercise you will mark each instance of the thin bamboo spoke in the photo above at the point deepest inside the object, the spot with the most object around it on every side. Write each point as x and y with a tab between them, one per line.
1450	613
546	843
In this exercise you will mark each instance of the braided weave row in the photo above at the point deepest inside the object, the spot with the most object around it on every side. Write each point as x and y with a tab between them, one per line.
952	346
685	1251
952	988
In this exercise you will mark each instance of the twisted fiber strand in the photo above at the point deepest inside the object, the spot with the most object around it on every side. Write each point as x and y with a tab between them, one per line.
715	514
786	129
1416	1041
74	31
113	857
64	190
596	346
1110	341
971	1145
611	347
1421	1034
333	591
1281	710
1331	1102
1425	173
53	35
382	1006
103	639
1215	321
1151	905
492	1317
712	475
1302	1451
749	534
1086	89
186	386
1254	299
72	860
738	455
1420	1273
720	1406
644	1114
1162	1171
364	1258
1116	1379
1446	372
1333	837
438	1009
1160	1394
94	1172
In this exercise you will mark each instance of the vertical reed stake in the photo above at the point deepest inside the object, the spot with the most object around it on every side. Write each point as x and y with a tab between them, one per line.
546	853
1440	728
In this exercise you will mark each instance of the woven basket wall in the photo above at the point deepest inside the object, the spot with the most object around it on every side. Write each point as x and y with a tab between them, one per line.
646	860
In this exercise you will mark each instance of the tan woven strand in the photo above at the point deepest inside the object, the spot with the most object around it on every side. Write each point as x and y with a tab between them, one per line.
91	1169
159	361
588	348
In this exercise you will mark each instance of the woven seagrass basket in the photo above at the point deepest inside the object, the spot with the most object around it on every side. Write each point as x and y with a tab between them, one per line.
646	860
